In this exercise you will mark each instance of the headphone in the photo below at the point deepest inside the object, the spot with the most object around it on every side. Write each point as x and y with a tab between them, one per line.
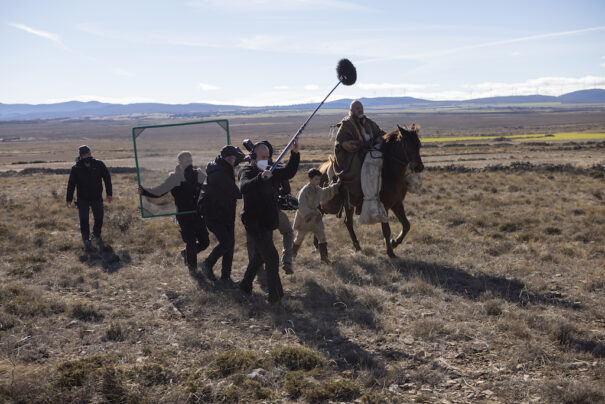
250	146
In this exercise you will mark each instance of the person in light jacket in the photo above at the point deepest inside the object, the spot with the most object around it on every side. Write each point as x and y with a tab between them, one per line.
308	217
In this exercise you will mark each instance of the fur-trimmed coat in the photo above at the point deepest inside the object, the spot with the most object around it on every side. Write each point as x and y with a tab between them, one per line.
350	150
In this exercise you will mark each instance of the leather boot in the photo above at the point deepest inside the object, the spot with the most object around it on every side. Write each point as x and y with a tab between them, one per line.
295	248
323	252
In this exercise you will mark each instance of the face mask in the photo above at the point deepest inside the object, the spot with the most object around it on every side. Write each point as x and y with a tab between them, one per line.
262	164
87	160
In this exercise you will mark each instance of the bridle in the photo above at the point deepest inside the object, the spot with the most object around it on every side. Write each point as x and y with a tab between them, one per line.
403	163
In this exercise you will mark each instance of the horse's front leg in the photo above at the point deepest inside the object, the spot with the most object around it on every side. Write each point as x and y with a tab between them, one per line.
399	211
386	232
349	224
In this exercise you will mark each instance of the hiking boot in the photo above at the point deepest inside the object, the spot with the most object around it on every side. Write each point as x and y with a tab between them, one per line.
244	289
288	269
99	241
193	272
87	245
228	283
295	248
323	252
358	209
207	271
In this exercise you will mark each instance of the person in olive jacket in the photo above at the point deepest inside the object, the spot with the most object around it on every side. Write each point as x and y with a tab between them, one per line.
87	176
260	215
219	204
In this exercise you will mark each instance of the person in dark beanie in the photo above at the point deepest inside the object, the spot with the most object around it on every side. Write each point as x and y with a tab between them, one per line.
260	216
87	176
185	184
219	203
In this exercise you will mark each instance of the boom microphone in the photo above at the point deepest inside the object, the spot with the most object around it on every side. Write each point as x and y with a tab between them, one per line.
347	75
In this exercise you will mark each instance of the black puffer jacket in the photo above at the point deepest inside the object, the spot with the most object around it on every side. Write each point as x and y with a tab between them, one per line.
87	180
260	210
221	193
184	187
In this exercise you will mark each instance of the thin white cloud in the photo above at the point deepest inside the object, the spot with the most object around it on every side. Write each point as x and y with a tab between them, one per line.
100	98
390	86
208	87
245	6
281	88
43	34
491	44
311	87
262	42
122	72
541	85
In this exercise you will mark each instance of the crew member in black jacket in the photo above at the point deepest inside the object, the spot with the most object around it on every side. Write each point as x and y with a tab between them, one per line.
260	216
185	184
86	175
219	203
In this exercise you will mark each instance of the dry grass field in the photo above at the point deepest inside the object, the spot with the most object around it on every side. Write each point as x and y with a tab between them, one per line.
497	295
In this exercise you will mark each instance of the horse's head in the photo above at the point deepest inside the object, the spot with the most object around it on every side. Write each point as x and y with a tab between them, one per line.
405	146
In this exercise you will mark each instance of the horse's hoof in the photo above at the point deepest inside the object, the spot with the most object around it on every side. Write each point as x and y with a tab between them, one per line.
357	246
391	254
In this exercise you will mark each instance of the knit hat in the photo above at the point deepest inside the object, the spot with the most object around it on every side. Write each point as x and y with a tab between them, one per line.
84	150
229	150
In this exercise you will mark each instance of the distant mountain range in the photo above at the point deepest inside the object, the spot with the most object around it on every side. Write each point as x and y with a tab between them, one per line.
95	109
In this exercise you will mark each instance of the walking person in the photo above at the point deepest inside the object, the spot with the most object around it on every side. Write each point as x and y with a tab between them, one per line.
284	201
260	216
185	184
218	206
308	217
87	177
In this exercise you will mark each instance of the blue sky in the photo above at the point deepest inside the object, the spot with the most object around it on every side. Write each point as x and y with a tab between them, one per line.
269	52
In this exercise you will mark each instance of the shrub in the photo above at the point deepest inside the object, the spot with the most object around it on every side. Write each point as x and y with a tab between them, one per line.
75	373
297	357
295	383
231	361
342	390
493	307
115	333
85	312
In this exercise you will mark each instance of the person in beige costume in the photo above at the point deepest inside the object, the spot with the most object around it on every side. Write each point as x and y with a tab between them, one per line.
356	135
308	217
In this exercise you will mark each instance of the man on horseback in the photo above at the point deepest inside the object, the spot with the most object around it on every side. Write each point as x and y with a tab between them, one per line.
356	135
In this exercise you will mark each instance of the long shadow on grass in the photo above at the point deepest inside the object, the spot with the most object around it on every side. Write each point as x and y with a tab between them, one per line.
313	316
462	283
459	282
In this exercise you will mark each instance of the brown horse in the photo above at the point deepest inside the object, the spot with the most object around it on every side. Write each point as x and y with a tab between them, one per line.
401	150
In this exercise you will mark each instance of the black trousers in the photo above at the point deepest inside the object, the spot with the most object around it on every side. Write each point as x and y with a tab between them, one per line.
261	250
84	208
195	236
225	234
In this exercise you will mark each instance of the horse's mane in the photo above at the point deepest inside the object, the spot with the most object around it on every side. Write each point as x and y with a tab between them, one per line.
393	136
396	135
